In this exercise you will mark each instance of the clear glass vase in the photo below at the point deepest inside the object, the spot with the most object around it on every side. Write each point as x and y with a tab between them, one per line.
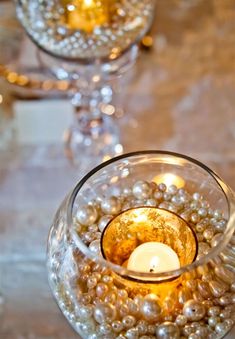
89	43
130	201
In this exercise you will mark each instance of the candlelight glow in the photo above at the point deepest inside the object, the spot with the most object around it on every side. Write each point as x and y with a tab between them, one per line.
169	179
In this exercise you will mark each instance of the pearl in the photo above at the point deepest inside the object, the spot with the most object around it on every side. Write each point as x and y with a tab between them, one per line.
202	331
151	329
101	290
123	310
129	321
195	218
221	328
107	279
150	309
104	221
91	282
151	202
172	189
194	310
95	247
181	320
111	205
162	187
127	191
208	234
104	312
214	311
85	312
142	190
212	321
193	336
105	329
202	212
122	294
158	195
117	326
132	334
110	297
87	215
168	330
142	327
225	314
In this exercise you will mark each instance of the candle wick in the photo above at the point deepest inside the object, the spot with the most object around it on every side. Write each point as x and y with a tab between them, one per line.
151	270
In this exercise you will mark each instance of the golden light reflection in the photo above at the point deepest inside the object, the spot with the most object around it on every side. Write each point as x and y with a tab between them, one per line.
169	179
86	14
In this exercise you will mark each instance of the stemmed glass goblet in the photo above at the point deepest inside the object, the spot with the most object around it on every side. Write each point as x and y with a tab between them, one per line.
89	42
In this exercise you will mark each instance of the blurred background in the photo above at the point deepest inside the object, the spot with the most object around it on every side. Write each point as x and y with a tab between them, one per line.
179	96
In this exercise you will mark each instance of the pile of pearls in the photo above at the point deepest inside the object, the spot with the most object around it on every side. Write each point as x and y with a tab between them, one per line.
202	307
46	23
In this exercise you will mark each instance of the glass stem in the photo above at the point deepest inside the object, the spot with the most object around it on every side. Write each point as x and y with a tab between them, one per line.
89	104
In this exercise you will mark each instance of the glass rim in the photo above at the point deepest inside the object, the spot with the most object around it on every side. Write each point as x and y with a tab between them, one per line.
161	276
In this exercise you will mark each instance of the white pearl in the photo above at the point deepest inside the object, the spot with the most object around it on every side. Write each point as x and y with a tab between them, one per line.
142	190
117	326
212	321
111	205
150	309
104	312
87	215
104	221
168	330
95	247
194	310
181	320
132	334
129	321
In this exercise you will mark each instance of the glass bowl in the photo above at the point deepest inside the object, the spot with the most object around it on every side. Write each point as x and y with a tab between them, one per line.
138	199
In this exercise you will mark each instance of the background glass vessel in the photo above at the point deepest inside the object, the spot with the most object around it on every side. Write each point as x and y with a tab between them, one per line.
89	42
99	297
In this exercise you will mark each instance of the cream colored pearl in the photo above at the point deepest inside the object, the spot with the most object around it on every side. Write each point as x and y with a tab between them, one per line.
117	326
162	187
168	330
132	333
87	215
128	321
181	320
104	313
91	282
194	310
142	327
214	311
150	309
95	247
221	328
101	290
122	294
202	331
104	221
105	329
142	190
212	321
111	206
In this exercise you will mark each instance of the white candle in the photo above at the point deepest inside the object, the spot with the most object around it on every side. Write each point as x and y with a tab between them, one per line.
153	257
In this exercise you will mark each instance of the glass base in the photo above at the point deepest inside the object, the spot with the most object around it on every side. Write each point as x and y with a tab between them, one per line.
97	139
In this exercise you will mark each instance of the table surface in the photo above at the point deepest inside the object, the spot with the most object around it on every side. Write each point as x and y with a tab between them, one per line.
179	97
